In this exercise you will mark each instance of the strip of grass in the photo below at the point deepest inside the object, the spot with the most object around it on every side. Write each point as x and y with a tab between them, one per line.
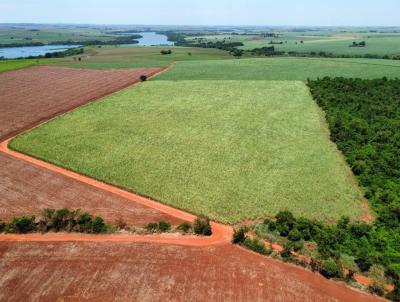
228	149
282	69
8	65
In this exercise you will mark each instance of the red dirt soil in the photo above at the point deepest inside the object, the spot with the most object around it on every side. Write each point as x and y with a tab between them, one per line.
26	189
123	271
33	95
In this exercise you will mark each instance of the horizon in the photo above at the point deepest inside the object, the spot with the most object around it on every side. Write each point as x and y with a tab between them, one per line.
309	13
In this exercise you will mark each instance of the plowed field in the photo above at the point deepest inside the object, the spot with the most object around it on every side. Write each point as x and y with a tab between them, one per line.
123	271
33	95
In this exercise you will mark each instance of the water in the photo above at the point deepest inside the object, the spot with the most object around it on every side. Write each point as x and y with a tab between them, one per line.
151	38
26	51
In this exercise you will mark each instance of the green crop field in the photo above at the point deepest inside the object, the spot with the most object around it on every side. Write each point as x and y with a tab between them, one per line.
282	69
8	65
129	57
340	45
315	41
229	149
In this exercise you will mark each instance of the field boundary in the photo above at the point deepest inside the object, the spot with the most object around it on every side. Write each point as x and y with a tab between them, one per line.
50	117
221	233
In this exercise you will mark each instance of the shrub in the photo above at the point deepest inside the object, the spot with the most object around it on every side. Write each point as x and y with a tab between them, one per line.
377	289
98	225
239	236
201	226
285	218
143	78
85	223
330	269
348	263
298	245
283	230
164	226
294	235
185	227
256	245
166	52
24	224
287	251
152	226
2	226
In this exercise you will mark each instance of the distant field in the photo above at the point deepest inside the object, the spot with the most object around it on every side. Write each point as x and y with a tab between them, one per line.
128	57
281	69
375	45
327	41
8	65
50	34
229	149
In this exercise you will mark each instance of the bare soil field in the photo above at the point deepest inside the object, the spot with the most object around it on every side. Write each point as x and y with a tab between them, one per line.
33	95
26	189
123	271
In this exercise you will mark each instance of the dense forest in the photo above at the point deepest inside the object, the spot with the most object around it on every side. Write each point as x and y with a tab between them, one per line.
364	119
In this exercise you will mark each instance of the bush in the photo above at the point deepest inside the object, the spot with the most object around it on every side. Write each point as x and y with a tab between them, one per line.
143	78
201	226
330	269
239	236
85	223
98	225
166	52
152	227
22	225
256	245
185	227
294	235
2	226
377	289
298	245
164	226
287	251
285	218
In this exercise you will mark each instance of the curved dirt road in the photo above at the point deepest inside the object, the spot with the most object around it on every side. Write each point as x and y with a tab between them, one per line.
221	233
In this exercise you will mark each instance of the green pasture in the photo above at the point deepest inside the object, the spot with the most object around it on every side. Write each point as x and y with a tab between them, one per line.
281	68
232	150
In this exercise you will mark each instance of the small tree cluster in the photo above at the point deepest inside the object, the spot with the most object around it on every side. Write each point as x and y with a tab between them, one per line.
166	52
162	226
202	226
56	221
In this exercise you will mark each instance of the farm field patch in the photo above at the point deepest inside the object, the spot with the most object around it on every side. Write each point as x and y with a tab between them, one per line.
9	65
229	149
27	189
156	272
30	96
281	69
130	57
339	45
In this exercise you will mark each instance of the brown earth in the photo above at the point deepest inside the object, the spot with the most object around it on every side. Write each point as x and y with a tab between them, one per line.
26	189
32	95
124	271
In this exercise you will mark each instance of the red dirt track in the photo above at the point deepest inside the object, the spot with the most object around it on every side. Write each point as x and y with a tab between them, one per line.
76	267
33	95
